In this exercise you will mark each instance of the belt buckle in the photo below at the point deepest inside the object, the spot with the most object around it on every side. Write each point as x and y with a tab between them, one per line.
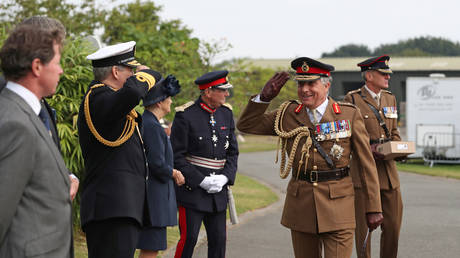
316	177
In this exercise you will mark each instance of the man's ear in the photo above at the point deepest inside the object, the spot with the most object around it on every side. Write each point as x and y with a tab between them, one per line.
36	67
115	72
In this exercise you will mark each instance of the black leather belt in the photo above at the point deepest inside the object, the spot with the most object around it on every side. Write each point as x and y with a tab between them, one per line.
380	140
325	175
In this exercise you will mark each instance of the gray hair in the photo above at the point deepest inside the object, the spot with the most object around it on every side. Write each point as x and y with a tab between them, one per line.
363	74
101	73
326	80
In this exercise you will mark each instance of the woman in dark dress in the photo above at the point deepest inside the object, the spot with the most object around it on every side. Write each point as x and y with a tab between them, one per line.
160	187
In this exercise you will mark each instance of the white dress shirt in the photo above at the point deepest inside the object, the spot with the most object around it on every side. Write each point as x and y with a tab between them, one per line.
26	94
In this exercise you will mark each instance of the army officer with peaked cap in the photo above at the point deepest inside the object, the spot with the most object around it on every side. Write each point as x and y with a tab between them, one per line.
378	107
206	152
318	134
113	199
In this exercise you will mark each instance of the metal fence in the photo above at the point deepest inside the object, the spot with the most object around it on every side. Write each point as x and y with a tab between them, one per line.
441	148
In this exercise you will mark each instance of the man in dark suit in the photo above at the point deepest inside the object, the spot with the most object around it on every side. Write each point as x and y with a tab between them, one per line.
113	196
35	218
47	23
206	152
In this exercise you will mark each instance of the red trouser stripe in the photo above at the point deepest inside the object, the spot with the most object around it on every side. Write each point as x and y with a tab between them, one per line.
183	232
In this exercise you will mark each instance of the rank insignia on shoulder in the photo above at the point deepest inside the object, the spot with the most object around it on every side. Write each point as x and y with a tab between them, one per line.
182	108
227	105
336	108
298	108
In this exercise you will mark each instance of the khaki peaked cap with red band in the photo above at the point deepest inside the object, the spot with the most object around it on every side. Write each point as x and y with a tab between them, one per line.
308	69
379	63
118	54
215	79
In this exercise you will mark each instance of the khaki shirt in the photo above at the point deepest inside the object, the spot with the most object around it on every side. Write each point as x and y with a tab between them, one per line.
327	206
388	175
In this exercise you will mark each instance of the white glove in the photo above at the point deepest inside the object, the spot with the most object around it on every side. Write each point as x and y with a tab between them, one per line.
214	189
220	180
207	183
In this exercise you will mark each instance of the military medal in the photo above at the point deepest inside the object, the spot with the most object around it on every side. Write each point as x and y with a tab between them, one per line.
336	151
333	130
212	121
390	112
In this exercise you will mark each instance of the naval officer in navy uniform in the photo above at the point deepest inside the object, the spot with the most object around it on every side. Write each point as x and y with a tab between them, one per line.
113	198
206	152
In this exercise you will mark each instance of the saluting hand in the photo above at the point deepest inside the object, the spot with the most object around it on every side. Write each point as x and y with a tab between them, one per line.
142	67
273	86
374	220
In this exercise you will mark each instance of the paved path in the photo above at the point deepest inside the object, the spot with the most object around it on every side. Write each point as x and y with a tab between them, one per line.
431	222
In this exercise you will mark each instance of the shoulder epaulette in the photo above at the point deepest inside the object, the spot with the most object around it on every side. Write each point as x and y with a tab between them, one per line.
295	101
354	91
227	105
387	91
346	104
182	108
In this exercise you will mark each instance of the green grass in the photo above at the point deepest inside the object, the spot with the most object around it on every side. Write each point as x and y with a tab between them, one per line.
248	193
442	170
253	143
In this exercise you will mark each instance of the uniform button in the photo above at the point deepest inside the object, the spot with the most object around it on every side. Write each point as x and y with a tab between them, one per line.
200	138
366	116
315	167
213	131
315	150
382	136
215	145
380	112
315	184
147	178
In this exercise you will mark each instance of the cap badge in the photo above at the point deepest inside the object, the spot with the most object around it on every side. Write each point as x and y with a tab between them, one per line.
305	67
386	62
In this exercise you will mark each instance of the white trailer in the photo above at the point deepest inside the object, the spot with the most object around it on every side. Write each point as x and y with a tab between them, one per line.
433	116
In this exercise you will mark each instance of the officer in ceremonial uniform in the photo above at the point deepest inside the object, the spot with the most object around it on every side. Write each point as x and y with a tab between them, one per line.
318	135
378	107
113	198
206	152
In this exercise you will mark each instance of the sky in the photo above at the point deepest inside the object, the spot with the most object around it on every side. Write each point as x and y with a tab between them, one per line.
292	28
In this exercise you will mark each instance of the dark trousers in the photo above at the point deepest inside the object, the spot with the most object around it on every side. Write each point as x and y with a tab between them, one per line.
112	238
189	226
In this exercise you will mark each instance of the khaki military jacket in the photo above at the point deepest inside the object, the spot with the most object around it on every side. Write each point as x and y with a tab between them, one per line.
325	206
388	175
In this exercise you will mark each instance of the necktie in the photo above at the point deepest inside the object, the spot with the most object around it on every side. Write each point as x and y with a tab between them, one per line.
377	99
315	116
45	119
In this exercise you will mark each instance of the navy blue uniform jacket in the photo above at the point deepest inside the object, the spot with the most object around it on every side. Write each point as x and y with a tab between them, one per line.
191	134
114	182
160	186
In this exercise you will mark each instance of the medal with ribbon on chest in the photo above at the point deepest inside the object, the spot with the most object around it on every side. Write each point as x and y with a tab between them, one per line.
390	112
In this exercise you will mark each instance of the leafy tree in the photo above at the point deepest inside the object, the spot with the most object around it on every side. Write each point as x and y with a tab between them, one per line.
79	17
421	46
349	50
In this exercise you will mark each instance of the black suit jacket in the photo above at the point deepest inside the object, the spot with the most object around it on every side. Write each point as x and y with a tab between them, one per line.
115	178
192	134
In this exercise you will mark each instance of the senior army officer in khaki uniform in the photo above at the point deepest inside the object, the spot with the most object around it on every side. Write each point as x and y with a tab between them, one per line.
321	133
378	106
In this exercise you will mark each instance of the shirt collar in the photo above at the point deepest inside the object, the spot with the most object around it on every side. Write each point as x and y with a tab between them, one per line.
25	94
372	93
322	108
